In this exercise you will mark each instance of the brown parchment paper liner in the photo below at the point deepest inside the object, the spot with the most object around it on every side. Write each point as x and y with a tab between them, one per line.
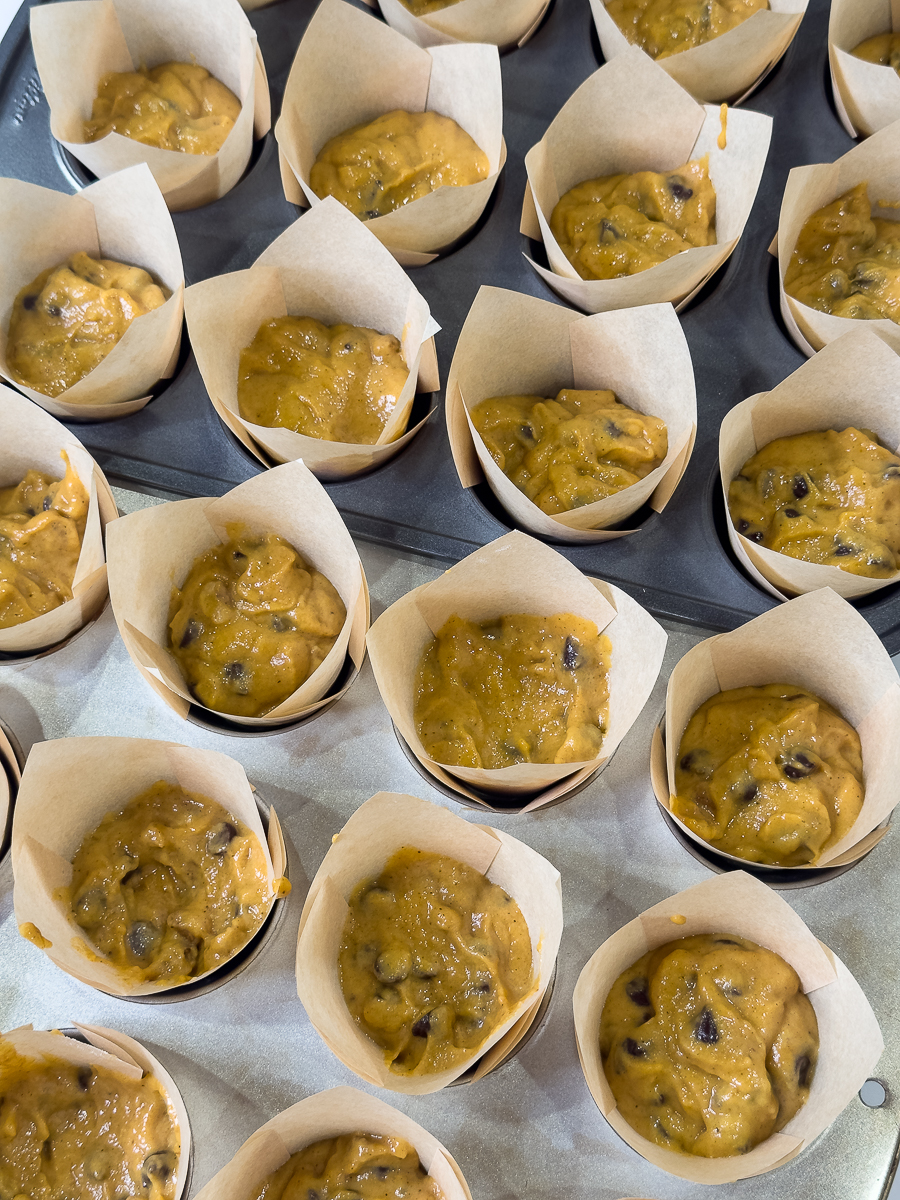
512	344
502	23
378	828
329	266
866	95
388	71
516	574
631	116
79	781
32	439
326	1115
122	35
109	1050
157	546
850	1041
820	642
854	380
727	68
122	217
875	161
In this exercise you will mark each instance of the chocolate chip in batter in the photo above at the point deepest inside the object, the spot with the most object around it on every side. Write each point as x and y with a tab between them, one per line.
219	837
53	310
238	555
527	432
707	1031
370	213
612	429
792	512
756	537
143	937
804	1070
635	1049
726	942
235	675
699	762
796	765
800	487
570	655
842	550
382	1172
29	302
638	992
84	1077
393	965
422	1026
743	526
892	471
608	232
750	793
91	905
679	190
48	504
192	631
483	987
160	1165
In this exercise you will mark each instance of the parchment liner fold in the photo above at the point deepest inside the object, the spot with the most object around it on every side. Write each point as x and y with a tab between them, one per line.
80	780
329	266
631	116
503	23
512	344
157	546
866	95
378	828
516	574
100	36
388	71
818	642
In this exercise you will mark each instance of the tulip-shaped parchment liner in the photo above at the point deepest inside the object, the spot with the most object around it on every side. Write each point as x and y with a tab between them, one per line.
850	1041
384	824
866	95
502	23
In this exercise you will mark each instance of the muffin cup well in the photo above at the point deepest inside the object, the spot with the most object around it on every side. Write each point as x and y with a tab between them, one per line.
507	24
818	642
100	36
852	381
157	546
516	574
631	116
866	95
122	217
850	1041
512	344
388	72
380	827
326	265
79	781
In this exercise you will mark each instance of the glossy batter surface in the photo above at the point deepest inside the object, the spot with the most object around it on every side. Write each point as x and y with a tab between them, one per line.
826	497
709	1045
622	224
433	959
251	622
772	774
170	886
564	453
514	690
72	1132
666	27
175	106
338	382
847	262
42	522
364	1166
65	322
883	49
399	157
421	8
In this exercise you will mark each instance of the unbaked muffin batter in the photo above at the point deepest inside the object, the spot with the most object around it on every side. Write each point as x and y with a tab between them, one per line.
622	224
709	1045
517	689
170	886
399	157
772	774
826	497
882	49
365	1166
65	322
433	959
339	382
666	27
251	622
564	453
175	106
70	1132
421	8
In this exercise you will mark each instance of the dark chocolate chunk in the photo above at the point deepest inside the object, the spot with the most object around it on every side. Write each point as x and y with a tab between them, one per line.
53	310
892	471
382	1172
312	1194
48	503
750	793
192	631
570	655
804	1070
159	1165
92	904
797	765
483	987
84	1077
842	550
608	232
638	992
235	675
370	213
281	624
143	938
30	512
219	837
726	942
756	537
133	878
635	1049
29	302
801	487
393	965
422	1026
792	512
707	1031
679	190
613	429
743	525
527	432
238	555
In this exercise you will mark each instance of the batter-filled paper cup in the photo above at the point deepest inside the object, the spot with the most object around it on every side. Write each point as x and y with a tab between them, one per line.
122	217
818	642
389	72
107	1050
156	548
516	574
866	95
328	1115
512	344
850	1041
376	831
329	266
855	382
502	23
729	67
79	781
76	44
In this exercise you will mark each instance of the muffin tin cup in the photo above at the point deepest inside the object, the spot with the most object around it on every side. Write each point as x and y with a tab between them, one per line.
513	344
850	1041
389	72
81	780
380	827
327	265
631	116
123	35
866	95
516	574
507	25
819	642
